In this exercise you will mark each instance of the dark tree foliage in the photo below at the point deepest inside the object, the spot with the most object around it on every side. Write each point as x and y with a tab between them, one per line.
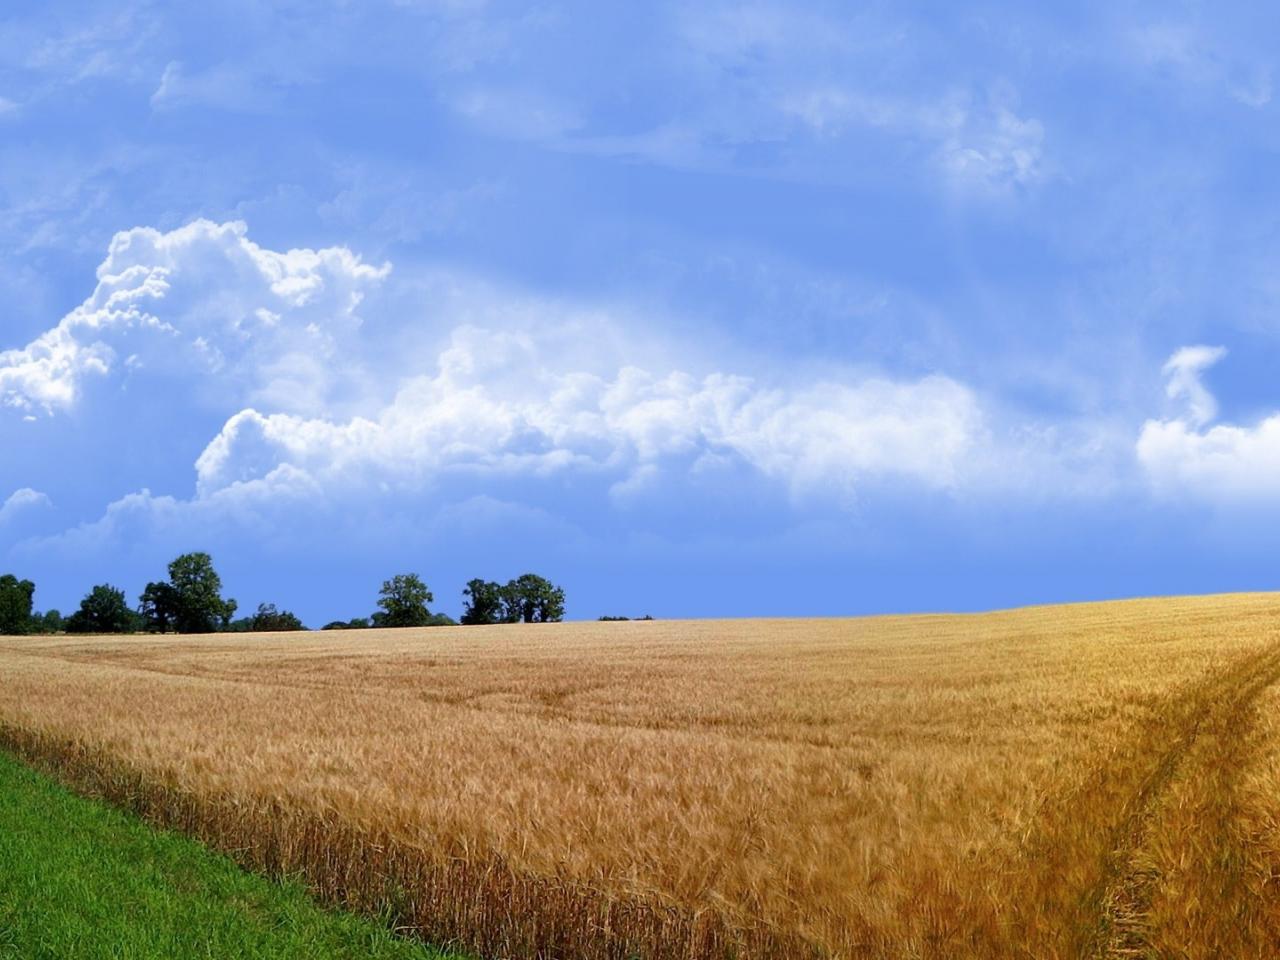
49	622
613	619
526	599
15	605
159	608
190	601
270	620
484	603
197	594
532	599
404	600
103	610
359	623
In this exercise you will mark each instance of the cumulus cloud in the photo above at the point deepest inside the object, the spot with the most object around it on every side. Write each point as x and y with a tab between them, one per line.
1223	462
23	501
520	392
496	404
201	301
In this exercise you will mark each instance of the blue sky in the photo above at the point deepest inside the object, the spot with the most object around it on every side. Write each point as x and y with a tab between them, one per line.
700	310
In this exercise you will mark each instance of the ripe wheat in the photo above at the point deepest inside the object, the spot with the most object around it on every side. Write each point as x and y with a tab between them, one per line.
1054	782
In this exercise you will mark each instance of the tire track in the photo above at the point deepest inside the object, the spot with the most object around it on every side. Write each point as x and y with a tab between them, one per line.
1120	903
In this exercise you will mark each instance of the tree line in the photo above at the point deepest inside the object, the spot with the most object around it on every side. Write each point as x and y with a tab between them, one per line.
191	601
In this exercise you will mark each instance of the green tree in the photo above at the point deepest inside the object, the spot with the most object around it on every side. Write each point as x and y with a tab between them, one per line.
532	599
15	605
404	600
270	620
103	610
49	622
484	603
359	623
194	599
159	607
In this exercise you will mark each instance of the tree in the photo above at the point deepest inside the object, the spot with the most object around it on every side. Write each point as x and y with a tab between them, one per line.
404	600
103	610
359	623
158	607
270	620
191	602
15	605
484	602
532	599
49	622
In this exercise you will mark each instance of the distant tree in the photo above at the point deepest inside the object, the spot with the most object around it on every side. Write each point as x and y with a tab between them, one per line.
532	599
359	623
484	603
49	622
440	620
15	605
270	620
404	600
613	619
103	610
159	608
197	592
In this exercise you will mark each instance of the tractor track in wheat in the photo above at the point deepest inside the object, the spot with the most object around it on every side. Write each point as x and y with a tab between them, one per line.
1121	902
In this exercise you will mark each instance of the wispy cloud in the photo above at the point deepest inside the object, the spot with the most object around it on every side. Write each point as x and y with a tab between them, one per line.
1224	463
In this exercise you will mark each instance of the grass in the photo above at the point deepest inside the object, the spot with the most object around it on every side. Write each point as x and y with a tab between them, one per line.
1090	780
81	881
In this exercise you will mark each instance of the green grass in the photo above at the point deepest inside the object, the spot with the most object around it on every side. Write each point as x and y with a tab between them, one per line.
80	880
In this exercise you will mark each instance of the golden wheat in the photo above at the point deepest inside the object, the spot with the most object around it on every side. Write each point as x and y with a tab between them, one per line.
1097	779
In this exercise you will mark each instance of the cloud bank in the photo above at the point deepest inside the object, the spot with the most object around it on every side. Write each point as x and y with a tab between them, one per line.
316	409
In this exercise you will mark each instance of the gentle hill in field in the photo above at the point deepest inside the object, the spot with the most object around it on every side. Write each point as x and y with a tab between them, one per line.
1094	779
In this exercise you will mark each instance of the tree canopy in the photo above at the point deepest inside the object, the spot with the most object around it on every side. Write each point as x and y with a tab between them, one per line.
103	610
270	620
190	602
484	603
16	598
533	599
527	599
403	601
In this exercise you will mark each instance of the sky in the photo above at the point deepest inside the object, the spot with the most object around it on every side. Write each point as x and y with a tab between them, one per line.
713	309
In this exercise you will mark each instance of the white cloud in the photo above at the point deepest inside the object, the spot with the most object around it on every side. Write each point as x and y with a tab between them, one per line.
22	501
522	390
499	404
1183	370
198	302
1223	463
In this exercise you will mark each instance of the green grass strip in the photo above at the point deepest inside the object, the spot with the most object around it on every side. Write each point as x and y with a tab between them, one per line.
80	880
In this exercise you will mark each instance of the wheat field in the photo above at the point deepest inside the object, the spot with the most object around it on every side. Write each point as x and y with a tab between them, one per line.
1095	780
